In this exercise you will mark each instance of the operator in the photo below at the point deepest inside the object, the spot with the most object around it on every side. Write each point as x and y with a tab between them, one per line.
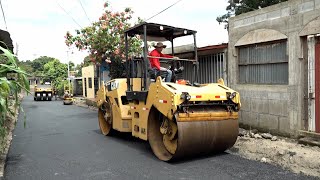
155	63
105	68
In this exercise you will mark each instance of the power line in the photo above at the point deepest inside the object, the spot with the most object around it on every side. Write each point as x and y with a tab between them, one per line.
67	14
4	17
84	10
163	10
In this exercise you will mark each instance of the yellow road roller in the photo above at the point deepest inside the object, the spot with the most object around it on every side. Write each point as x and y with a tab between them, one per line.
68	95
177	119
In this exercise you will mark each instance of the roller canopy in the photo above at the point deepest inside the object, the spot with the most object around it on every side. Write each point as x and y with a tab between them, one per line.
159	30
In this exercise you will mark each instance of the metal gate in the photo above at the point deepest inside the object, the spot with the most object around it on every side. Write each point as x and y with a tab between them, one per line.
211	67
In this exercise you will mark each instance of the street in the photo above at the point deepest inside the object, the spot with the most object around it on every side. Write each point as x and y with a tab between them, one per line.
64	142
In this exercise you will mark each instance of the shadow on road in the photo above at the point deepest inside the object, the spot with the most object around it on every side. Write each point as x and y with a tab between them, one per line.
143	146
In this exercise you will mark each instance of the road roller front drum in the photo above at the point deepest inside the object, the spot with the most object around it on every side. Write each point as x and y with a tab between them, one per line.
174	140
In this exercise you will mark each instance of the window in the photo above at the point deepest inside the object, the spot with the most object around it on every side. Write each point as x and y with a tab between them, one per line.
264	63
90	82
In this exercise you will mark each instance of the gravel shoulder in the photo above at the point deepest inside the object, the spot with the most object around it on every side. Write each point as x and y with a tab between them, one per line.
285	152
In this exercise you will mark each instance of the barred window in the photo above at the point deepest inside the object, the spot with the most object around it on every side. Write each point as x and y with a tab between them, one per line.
264	63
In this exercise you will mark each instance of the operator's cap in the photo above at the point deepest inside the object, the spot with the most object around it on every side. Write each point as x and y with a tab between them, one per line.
160	44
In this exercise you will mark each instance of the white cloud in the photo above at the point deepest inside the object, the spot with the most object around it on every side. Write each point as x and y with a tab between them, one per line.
38	26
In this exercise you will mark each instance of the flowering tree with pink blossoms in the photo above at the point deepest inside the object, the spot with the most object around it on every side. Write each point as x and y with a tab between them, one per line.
106	36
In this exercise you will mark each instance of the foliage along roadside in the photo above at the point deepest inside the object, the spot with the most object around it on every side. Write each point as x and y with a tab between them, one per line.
10	89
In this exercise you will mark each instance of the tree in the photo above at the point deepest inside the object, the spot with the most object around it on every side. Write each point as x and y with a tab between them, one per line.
38	64
26	66
55	71
78	70
86	62
106	36
237	7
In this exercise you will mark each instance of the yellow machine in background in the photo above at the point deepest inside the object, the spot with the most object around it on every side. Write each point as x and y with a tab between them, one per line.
178	119
43	92
68	94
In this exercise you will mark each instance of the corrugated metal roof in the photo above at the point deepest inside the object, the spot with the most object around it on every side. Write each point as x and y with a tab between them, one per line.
210	47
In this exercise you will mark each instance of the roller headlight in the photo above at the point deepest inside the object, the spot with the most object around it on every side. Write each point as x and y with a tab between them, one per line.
232	95
185	96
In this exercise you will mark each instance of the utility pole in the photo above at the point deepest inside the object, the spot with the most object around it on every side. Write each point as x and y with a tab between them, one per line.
17	49
68	72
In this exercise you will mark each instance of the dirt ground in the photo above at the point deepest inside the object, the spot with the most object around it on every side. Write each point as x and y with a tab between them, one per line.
281	151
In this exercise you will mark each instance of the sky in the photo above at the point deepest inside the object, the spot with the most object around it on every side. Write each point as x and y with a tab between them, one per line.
38	27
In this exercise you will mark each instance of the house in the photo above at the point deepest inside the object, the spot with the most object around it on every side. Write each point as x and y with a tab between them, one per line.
90	81
274	62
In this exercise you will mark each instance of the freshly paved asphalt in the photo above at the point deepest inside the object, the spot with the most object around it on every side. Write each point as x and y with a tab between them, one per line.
64	142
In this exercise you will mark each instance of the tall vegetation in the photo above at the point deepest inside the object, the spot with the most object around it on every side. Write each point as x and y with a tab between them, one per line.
10	89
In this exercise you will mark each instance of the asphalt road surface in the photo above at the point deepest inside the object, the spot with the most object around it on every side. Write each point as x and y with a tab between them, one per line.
64	142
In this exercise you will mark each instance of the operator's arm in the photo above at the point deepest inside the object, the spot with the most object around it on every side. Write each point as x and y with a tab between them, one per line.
165	55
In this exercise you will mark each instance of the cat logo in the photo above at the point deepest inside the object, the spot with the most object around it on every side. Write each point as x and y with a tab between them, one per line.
112	85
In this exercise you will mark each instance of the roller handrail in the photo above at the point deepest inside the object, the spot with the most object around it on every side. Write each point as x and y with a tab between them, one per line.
192	60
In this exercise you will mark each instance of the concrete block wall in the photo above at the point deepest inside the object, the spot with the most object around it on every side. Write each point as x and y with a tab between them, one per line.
275	108
265	109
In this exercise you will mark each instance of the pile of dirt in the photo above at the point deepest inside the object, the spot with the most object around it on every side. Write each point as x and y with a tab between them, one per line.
280	151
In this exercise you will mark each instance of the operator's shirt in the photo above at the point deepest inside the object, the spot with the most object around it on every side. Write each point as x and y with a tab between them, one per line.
154	62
